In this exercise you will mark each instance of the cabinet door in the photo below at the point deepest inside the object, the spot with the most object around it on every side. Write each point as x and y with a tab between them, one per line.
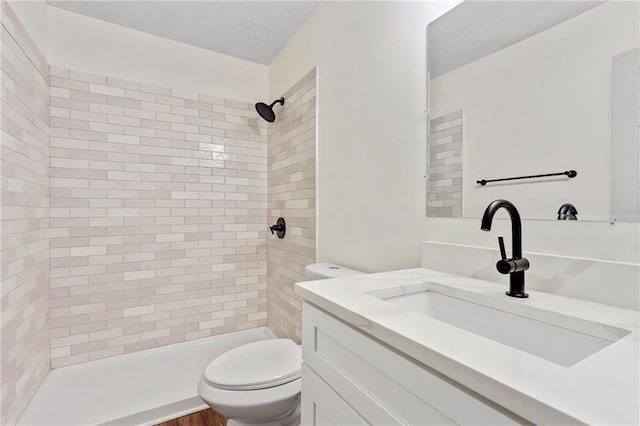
382	386
322	406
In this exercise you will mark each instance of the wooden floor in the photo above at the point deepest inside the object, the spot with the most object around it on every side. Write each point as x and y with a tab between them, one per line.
200	418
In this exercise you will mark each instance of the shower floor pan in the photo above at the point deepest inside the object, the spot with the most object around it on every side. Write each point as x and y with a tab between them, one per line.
140	388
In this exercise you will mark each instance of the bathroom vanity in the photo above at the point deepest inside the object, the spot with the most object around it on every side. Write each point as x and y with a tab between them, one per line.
426	347
350	378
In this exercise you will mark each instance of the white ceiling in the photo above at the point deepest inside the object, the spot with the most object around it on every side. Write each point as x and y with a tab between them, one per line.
475	29
252	30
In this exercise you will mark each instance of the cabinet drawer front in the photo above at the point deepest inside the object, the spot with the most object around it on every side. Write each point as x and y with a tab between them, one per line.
322	406
405	393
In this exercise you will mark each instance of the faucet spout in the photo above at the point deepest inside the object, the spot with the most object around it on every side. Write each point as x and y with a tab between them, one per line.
515	266
516	223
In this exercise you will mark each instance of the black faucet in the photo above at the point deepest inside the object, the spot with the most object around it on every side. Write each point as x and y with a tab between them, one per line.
515	266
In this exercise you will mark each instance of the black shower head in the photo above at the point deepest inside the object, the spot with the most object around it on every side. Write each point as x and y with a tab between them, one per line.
266	111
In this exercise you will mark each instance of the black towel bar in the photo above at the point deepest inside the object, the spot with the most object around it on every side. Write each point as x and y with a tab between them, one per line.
568	173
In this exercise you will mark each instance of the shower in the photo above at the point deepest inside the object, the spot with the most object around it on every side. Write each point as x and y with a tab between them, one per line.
266	111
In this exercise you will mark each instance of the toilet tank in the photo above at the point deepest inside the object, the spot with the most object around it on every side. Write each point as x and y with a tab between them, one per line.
321	271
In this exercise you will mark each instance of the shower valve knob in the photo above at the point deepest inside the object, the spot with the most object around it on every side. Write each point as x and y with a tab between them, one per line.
277	228
280	228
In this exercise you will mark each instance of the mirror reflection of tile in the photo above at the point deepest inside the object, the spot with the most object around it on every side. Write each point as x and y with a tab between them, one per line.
444	194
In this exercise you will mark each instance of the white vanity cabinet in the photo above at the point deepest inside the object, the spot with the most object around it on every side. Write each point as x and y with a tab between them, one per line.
349	378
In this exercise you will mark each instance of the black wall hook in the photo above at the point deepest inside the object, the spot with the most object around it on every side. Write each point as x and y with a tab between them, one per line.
280	228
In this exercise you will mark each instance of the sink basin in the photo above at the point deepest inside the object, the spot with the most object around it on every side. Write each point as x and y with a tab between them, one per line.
558	338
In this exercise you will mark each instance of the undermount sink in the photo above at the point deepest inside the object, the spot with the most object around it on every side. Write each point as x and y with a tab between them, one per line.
558	338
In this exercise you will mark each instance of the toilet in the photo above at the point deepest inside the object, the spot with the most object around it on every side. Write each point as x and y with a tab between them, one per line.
259	383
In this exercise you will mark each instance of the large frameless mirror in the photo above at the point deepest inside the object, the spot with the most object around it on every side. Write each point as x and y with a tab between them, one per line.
521	88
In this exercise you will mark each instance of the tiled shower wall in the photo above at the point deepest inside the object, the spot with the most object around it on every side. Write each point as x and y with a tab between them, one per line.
292	195
24	170
134	217
158	217
444	190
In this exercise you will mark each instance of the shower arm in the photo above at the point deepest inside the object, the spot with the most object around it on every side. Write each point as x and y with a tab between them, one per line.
277	101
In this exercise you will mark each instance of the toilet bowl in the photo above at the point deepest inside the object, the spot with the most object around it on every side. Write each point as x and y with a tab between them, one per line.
259	383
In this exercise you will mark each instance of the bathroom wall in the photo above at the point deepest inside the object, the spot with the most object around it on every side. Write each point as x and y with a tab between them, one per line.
32	15
24	168
371	126
292	195
90	45
158	216
372	139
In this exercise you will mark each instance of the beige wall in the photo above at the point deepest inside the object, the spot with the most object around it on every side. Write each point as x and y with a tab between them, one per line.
372	138
32	15
90	45
371	126
158	219
24	209
292	195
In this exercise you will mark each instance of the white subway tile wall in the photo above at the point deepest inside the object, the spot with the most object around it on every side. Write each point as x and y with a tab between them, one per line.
158	217
292	195
134	216
24	261
444	189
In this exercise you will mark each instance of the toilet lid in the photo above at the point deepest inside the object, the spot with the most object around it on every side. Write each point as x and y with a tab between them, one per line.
257	365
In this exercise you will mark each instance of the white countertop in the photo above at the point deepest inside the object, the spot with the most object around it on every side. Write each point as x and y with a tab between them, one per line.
603	388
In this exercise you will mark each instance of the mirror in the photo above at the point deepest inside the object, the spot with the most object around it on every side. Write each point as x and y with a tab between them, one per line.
520	88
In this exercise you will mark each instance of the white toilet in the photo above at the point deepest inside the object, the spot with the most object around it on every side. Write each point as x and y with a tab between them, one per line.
259	383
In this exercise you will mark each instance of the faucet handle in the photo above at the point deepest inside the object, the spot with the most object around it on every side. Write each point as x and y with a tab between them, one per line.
503	252
509	266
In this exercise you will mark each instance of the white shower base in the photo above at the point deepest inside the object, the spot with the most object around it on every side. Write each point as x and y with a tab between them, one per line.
141	388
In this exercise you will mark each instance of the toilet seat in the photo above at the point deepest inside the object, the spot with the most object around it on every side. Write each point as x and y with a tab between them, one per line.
258	365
